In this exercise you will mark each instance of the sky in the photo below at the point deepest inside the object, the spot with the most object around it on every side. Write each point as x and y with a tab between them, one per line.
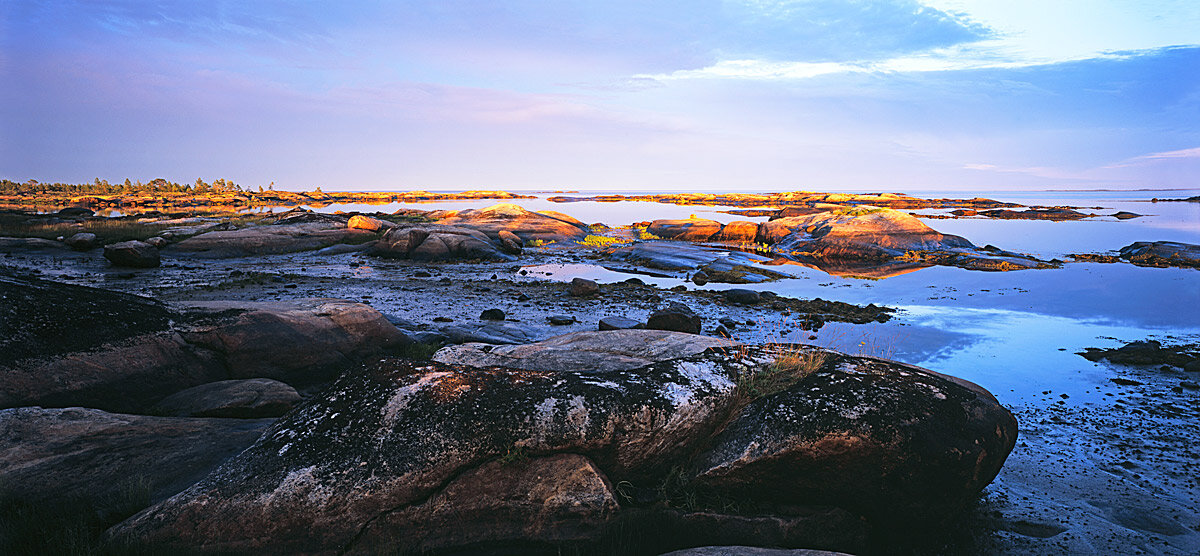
734	95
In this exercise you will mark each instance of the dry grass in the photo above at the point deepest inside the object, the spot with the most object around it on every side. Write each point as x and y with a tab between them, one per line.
601	241
792	363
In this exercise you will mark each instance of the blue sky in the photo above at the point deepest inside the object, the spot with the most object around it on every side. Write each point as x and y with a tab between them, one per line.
702	94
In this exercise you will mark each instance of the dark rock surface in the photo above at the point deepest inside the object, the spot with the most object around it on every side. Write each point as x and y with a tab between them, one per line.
582	287
431	242
134	254
492	314
1162	254
1148	352
68	345
488	333
82	241
252	398
89	455
400	447
677	317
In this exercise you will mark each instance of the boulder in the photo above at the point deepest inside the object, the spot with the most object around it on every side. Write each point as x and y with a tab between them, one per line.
1162	254
561	320
272	239
65	345
692	229
908	445
406	456
615	350
93	458
619	323
511	243
157	242
368	223
740	231
677	317
437	243
742	296
525	224
492	314
700	278
582	287
242	399
132	253
82	241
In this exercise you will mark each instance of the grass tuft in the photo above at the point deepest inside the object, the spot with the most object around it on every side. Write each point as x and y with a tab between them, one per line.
790	366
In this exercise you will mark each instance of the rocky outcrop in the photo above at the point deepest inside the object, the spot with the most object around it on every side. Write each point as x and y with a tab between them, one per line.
65	345
525	224
437	243
734	267
1162	254
271	239
616	350
739	231
692	229
240	399
94	458
19	244
133	253
881	235
409	456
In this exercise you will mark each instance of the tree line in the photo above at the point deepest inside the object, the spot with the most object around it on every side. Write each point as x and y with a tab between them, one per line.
102	187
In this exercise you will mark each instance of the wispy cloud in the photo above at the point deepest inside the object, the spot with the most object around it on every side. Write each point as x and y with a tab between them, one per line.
1157	157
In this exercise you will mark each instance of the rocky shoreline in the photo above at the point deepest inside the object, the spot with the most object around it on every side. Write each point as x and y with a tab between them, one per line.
418	384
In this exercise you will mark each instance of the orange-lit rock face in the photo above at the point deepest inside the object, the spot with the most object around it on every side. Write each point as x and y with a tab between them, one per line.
739	231
692	229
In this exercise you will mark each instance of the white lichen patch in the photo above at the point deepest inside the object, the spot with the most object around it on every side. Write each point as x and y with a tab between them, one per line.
298	484
399	400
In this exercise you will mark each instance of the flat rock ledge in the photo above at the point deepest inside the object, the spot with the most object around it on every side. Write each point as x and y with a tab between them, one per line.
401	455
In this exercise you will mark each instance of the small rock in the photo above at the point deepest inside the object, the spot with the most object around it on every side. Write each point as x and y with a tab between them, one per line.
523	297
619	323
492	314
635	281
133	253
510	242
421	274
157	242
679	288
560	320
677	317
700	278
445	280
721	331
581	287
742	296
442	319
75	212
81	241
1190	385
729	323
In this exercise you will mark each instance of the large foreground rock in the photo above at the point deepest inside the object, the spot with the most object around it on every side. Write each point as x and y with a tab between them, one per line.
271	239
64	345
90	456
385	458
1162	254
